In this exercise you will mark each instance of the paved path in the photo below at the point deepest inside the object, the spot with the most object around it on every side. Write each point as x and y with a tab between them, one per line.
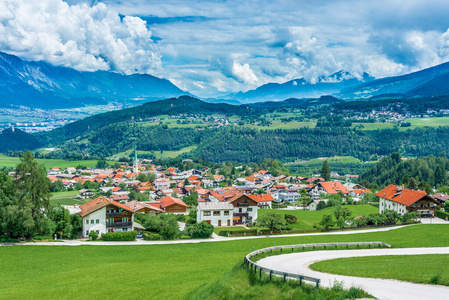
381	288
215	238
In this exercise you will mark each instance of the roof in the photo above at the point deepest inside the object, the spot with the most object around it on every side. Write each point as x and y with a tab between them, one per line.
137	205
362	191
98	203
262	197
169	200
119	197
215	206
333	187
401	195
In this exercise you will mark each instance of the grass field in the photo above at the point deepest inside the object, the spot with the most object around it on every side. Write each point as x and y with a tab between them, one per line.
65	198
431	122
306	219
11	162
282	125
157	271
429	268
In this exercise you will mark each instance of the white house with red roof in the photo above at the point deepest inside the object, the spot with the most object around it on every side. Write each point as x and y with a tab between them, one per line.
403	200
105	215
264	200
327	187
215	213
245	208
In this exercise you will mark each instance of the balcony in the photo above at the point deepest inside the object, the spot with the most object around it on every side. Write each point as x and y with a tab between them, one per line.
242	204
119	224
117	214
241	215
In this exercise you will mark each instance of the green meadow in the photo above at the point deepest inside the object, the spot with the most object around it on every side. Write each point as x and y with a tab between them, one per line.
174	271
428	268
11	162
65	198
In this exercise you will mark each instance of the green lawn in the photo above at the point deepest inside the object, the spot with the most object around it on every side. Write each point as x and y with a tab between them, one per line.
6	161
429	268
431	122
65	198
158	271
306	219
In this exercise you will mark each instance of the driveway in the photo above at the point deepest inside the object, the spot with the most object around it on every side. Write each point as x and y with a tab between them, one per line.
380	288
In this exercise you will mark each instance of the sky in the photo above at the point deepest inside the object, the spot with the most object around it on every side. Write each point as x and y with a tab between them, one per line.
214	48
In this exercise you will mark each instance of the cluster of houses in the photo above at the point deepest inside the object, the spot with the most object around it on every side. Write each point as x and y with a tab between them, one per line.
221	202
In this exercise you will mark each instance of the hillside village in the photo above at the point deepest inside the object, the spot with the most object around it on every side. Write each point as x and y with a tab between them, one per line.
110	198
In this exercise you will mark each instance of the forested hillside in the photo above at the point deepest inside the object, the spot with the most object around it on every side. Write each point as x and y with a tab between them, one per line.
412	173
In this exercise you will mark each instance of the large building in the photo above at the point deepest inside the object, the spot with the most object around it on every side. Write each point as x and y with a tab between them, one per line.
403	200
327	187
105	215
215	213
245	208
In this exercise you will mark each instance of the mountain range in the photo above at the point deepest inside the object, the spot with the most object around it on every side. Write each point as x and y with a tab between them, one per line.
42	85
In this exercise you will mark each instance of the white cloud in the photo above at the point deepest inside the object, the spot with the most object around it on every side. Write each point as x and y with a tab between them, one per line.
244	73
78	36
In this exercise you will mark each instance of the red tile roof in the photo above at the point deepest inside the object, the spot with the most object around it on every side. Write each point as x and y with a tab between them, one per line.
262	197
169	200
98	203
401	195
333	187
137	205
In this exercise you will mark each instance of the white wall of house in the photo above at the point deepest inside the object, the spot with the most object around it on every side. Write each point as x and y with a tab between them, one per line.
251	210
385	204
208	215
90	222
289	196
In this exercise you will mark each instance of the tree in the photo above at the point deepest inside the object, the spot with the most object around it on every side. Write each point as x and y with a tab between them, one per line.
78	185
326	222
102	164
169	226
391	216
446	206
321	205
409	217
192	217
142	177
58	186
93	235
326	171
200	230
151	177
33	191
174	194
290	219
272	220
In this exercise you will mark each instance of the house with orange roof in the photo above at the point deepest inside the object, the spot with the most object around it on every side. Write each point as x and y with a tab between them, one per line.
327	187
264	201
170	204
105	215
245	208
403	200
161	184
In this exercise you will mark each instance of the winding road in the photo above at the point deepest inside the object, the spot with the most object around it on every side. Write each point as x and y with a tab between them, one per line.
380	288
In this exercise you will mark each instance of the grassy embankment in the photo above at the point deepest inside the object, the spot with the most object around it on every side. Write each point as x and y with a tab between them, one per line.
429	268
66	198
164	271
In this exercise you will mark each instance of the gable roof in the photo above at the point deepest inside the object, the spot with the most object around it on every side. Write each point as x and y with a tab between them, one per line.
241	195
169	200
98	203
137	205
215	206
262	197
402	195
333	187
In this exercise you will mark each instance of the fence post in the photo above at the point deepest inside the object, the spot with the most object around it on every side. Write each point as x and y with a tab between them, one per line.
271	272
285	274
300	280
260	272
317	282
253	248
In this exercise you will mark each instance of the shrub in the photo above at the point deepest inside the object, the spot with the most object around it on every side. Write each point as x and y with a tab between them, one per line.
442	214
181	218
200	230
151	236
120	236
93	235
291	219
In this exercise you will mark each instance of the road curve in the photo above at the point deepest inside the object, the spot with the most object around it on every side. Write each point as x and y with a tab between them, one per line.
380	288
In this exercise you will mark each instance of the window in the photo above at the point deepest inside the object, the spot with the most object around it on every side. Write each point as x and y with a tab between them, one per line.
92	221
250	209
111	220
97	221
97	231
87	221
109	230
125	219
206	213
124	229
87	232
216	212
226	212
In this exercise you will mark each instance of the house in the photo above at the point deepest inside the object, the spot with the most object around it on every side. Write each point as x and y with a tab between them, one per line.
71	170
143	207
161	184
85	194
119	191
442	198
245	208
290	197
264	200
215	213
54	171
105	215
170	204
314	204
219	178
327	187
120	198
403	200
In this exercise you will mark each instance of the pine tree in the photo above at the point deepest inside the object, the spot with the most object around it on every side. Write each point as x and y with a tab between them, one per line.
326	171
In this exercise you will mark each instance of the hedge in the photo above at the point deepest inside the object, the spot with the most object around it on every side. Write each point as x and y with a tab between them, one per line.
238	232
119	236
151	236
442	214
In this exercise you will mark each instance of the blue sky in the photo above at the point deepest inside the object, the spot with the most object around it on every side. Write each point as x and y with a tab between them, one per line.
212	48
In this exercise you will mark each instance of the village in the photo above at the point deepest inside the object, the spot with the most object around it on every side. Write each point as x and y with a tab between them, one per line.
110	198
